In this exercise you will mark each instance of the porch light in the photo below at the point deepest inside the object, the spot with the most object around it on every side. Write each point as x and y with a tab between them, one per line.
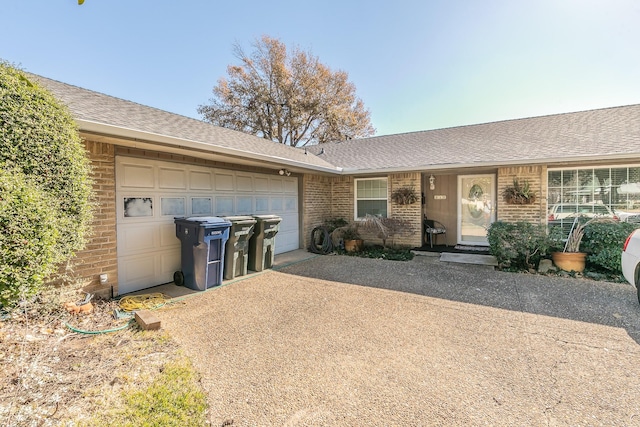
282	172
432	182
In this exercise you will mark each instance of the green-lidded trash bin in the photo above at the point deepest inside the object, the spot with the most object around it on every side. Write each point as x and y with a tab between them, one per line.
236	257
203	246
263	243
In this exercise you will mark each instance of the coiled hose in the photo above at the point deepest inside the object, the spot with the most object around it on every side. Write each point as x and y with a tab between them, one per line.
321	241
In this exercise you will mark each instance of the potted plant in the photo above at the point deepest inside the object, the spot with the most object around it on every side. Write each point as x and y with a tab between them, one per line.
517	194
352	240
570	258
404	196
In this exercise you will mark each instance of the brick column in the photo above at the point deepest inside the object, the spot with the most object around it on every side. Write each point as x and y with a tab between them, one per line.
100	254
534	213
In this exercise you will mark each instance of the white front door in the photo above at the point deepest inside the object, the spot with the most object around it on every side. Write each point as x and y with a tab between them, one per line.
476	208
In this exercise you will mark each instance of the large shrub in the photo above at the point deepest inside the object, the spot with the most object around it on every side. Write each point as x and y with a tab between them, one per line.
603	243
519	245
28	238
41	147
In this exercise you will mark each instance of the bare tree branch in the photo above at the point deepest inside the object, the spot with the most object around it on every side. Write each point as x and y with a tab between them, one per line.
287	97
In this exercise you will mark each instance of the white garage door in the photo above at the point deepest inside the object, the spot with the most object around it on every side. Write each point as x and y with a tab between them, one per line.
150	193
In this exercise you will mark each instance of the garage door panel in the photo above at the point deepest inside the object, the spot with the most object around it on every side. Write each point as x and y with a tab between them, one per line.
224	182
199	180
169	178
224	205
173	206
262	205
170	262
289	222
136	239
261	184
137	208
291	204
168	235
139	273
134	175
202	206
244	205
276	204
244	183
276	185
291	186
286	241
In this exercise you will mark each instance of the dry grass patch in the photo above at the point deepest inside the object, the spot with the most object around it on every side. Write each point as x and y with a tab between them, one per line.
52	376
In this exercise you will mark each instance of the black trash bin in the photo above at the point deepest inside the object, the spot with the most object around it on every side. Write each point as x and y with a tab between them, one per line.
203	244
236	255
263	243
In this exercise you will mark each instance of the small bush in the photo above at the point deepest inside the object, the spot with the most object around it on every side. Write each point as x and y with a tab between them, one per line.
333	223
518	246
603	243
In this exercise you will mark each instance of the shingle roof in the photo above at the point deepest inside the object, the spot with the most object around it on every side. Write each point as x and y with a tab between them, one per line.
90	106
608	133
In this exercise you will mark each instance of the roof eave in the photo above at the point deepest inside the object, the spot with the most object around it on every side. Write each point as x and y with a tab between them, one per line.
158	142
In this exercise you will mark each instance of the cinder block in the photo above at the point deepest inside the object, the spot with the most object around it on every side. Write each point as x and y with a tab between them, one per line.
147	320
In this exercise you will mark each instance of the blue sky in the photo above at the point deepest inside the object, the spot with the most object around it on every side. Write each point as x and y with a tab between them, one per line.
417	65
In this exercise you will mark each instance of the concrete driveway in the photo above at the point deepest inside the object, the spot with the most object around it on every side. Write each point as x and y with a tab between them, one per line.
344	341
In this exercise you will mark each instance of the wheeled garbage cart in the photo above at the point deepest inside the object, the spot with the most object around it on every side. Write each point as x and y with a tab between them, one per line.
236	255
263	243
203	245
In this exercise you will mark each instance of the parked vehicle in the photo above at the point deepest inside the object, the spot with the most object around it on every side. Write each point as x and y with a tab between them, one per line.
566	210
631	259
632	217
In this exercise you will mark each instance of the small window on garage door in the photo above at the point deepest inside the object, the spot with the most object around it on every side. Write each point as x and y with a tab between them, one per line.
370	197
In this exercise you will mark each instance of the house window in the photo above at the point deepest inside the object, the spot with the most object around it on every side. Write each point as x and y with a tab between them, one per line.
603	191
371	197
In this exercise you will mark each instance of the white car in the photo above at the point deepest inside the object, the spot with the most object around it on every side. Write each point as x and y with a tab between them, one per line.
632	217
631	259
572	210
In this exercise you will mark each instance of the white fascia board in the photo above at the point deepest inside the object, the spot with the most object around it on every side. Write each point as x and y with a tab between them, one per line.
149	138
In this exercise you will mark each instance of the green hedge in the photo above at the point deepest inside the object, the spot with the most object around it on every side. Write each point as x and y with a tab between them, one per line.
519	245
603	243
41	148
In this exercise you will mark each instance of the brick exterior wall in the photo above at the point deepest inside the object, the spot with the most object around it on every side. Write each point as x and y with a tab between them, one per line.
534	213
342	203
316	204
100	254
333	197
410	214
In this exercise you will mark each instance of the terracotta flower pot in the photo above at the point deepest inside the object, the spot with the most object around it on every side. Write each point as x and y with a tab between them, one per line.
570	261
353	245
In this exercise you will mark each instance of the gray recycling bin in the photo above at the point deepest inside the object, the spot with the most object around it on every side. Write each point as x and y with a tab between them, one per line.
203	243
263	243
236	255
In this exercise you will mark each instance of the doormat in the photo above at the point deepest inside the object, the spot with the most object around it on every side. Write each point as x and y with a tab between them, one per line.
472	248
